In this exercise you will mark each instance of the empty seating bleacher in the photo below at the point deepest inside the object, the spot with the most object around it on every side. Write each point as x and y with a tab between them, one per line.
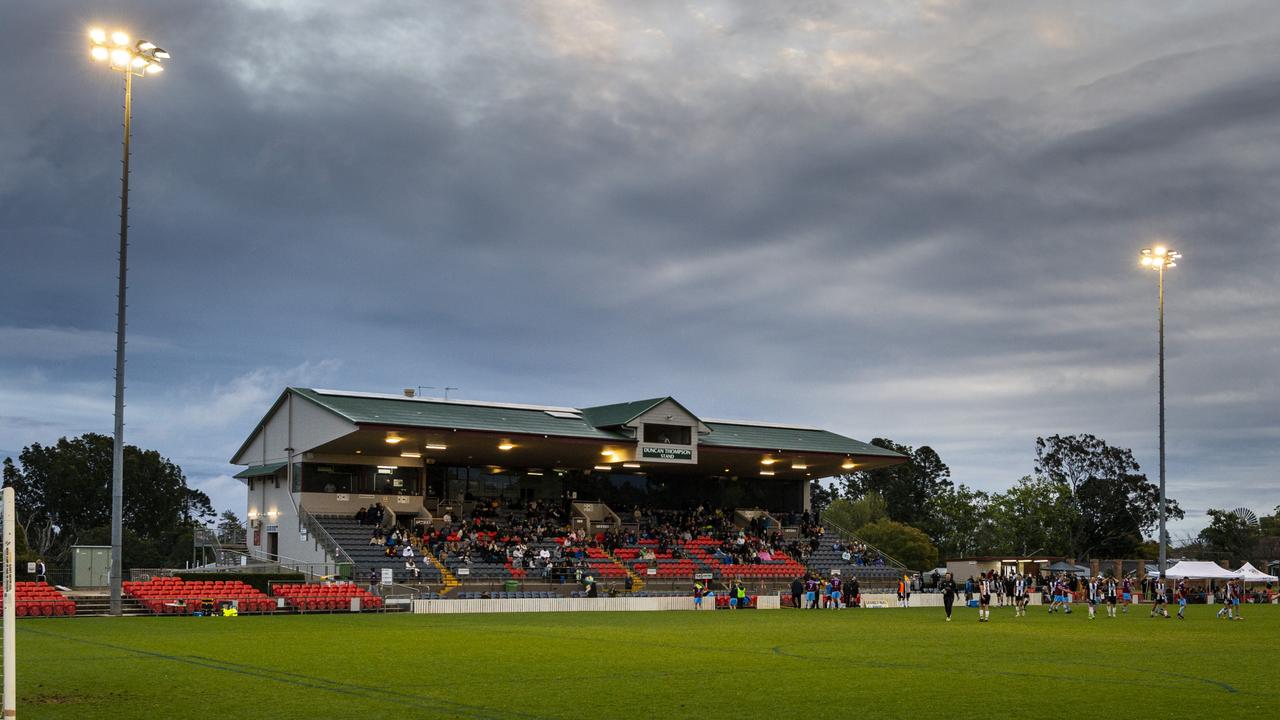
38	599
175	596
311	597
539	595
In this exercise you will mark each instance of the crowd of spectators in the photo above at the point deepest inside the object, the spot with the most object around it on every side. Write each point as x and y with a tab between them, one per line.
537	539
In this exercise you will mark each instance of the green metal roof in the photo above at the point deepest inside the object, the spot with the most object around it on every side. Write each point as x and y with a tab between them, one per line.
259	470
590	423
766	437
408	412
619	413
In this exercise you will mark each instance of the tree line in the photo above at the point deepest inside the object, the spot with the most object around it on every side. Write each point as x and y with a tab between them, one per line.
62	495
1083	499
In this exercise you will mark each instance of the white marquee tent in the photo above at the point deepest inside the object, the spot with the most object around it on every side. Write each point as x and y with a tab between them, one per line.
1249	573
1200	570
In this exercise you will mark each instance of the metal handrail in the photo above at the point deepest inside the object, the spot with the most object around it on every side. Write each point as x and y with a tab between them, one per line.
848	534
323	537
280	561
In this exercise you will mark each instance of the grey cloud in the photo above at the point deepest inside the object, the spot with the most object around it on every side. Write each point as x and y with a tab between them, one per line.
916	221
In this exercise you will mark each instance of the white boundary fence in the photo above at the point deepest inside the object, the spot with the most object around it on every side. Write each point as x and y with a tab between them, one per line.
620	604
890	600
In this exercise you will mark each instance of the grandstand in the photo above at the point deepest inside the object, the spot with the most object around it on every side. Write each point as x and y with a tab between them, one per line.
504	497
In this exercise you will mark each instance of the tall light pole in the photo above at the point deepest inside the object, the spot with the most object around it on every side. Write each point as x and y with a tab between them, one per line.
140	58
1160	258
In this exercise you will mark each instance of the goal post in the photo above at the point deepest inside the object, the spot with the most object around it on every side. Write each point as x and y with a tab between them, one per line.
10	674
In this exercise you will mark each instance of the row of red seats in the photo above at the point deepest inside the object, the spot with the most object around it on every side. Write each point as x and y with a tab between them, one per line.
37	599
326	597
175	596
773	570
677	569
606	569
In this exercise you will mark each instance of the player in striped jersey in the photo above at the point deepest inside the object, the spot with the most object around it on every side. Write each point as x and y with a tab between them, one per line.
1020	596
984	599
1094	591
1111	596
1160	603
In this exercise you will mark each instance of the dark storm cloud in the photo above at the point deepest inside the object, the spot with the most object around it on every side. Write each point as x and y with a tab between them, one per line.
914	220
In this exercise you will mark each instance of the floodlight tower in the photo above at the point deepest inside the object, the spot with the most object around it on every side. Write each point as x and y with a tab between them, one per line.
1161	258
137	58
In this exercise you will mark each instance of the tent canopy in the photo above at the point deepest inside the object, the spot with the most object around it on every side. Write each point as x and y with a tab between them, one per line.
1200	570
1249	573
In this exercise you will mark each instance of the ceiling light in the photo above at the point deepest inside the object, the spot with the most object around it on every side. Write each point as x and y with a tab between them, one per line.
605	468
536	473
410	454
435	446
767	473
505	446
394	439
630	465
768	461
799	466
359	452
847	465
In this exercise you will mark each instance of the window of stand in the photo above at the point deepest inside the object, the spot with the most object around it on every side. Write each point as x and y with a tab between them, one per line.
364	479
668	434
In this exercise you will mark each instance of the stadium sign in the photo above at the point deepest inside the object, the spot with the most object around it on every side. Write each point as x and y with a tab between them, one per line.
664	452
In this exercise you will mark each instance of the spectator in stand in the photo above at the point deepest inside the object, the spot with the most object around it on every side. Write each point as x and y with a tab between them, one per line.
360	515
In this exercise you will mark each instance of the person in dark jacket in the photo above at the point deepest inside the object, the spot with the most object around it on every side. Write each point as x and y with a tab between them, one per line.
797	591
948	586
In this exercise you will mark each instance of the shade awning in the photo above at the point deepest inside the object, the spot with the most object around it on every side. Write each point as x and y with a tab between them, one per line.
1200	570
259	470
1249	573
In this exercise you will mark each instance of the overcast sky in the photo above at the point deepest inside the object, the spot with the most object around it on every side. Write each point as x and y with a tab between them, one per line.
914	220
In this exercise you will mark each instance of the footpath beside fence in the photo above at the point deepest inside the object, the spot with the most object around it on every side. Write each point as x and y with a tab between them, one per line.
618	604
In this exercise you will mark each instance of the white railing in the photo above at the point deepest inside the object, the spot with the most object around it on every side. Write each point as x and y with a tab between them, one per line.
852	536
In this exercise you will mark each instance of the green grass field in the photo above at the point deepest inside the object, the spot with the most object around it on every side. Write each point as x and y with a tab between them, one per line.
848	663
